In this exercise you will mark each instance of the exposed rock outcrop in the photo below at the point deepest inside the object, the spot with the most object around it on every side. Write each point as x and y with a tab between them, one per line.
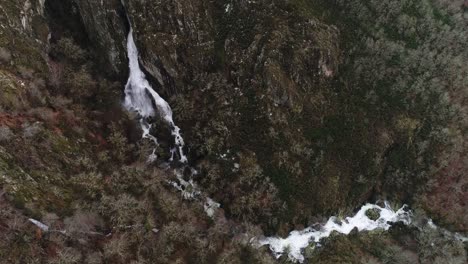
106	26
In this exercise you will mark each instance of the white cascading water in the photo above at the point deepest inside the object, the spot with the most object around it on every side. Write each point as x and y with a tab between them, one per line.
298	240
139	97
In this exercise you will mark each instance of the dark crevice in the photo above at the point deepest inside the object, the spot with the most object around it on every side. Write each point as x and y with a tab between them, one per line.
65	21
123	14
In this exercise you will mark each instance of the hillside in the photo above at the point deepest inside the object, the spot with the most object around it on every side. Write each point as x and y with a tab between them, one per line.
188	131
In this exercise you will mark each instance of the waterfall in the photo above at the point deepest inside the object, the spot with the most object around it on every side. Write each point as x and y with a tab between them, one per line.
143	99
140	96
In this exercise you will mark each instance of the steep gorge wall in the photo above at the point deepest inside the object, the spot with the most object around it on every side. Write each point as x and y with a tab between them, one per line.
257	88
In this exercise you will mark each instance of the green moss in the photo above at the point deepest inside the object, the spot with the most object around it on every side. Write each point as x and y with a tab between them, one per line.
11	92
308	8
373	214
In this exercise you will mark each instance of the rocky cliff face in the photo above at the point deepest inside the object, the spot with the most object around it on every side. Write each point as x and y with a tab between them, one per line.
237	77
106	25
282	112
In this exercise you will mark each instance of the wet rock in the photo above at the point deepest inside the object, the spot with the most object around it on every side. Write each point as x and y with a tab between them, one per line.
354	231
373	214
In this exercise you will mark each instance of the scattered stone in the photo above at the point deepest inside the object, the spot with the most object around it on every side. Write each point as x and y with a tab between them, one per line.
5	55
5	133
31	130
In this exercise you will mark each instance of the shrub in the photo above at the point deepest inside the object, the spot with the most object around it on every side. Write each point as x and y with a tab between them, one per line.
435	247
67	255
83	223
254	195
121	148
88	184
59	102
79	84
126	179
122	211
68	49
94	258
117	248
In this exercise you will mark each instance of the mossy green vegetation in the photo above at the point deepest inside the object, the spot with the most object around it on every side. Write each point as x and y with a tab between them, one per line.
407	88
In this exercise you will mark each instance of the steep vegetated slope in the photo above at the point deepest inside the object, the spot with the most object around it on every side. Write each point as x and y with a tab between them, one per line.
410	64
291	111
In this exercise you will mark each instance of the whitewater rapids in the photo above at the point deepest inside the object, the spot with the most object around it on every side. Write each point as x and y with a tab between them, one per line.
298	240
